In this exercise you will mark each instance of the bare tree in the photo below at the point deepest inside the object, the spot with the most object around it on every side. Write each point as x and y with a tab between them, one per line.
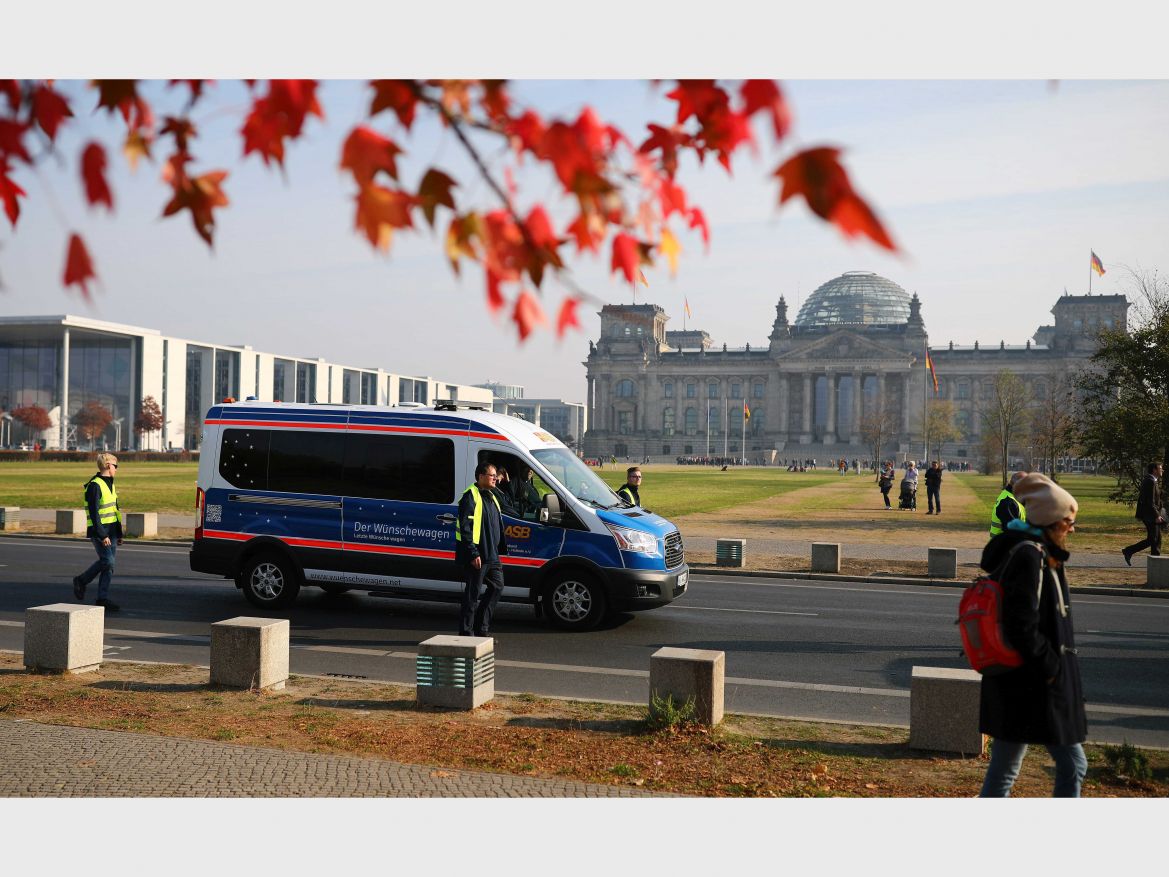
149	419
940	425
1055	423
1006	415
877	426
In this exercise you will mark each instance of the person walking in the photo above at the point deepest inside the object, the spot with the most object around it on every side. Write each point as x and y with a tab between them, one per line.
479	544
1042	700
1006	506
1149	513
103	526
885	482
933	488
628	490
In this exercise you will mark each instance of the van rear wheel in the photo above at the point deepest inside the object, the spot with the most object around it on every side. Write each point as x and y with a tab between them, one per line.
270	581
574	601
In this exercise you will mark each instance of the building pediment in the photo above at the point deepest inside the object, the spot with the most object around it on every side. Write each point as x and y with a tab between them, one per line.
844	346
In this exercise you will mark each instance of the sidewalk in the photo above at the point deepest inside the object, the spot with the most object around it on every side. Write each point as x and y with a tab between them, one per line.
54	761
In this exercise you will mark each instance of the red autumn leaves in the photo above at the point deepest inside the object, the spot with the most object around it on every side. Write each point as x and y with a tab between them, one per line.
623	199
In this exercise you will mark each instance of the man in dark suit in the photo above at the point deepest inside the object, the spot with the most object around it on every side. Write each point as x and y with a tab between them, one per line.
1149	514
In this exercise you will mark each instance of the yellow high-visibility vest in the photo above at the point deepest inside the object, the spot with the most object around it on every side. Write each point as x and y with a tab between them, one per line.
107	504
477	517
996	526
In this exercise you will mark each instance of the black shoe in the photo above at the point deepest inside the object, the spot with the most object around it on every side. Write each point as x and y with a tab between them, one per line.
110	605
1127	556
78	588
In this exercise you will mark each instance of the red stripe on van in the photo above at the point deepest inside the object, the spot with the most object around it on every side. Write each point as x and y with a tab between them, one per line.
363	427
522	561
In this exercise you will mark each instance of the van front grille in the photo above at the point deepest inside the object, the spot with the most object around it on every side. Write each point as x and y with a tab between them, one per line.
675	555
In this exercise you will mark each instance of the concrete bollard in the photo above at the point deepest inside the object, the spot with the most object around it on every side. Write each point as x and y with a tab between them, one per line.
1157	572
10	517
142	524
250	653
64	637
690	673
71	522
943	563
456	671
730	552
826	557
943	710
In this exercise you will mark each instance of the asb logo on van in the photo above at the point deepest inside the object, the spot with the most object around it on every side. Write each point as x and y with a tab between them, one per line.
517	532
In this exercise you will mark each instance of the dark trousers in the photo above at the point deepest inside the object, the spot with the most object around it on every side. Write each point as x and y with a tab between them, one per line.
1152	540
934	496
885	493
479	602
103	567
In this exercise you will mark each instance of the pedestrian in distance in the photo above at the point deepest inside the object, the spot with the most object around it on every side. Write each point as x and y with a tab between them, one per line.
933	488
1041	701
629	490
1150	513
885	482
1006	506
479	545
103	526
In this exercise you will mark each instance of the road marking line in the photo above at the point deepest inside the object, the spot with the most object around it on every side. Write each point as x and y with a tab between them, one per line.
752	611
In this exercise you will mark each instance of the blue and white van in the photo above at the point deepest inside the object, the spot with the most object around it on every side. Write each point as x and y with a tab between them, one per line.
342	497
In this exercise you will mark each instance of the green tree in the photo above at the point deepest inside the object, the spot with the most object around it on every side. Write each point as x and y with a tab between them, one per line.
1126	392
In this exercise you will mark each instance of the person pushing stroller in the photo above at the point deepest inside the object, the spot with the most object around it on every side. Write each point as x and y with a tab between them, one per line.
908	497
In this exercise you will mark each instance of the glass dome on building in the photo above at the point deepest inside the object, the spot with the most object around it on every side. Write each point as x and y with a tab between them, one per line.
856	298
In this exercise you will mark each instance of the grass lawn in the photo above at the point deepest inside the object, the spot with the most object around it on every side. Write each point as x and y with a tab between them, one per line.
143	487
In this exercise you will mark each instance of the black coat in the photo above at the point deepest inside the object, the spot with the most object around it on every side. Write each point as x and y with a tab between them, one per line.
1149	499
1020	705
933	478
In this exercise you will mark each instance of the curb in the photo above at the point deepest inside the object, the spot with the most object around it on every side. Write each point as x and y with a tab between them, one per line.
58	537
1095	590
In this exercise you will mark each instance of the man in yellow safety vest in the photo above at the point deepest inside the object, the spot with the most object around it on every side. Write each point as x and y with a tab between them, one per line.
479	545
103	526
1006	507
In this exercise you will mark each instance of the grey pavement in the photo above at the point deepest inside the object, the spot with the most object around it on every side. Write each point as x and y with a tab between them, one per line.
55	761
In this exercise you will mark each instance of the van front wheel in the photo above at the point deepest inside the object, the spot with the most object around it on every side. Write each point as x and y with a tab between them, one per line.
574	601
270	581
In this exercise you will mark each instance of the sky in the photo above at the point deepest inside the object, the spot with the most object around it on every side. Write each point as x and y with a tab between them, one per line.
995	190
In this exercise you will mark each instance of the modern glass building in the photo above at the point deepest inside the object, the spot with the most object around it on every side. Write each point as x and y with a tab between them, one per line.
62	363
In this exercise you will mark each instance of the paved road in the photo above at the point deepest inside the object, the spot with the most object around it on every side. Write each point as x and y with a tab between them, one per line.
805	649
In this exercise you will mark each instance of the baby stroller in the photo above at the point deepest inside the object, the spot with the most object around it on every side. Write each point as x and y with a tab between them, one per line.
908	497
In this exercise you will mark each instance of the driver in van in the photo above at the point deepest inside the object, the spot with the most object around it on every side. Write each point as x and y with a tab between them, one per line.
479	544
503	492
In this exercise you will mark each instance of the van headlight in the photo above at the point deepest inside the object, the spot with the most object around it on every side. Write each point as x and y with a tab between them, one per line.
634	540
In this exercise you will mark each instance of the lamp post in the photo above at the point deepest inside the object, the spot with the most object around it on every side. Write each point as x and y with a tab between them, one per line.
118	435
5	421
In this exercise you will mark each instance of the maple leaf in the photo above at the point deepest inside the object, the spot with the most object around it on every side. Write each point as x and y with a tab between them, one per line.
182	130
567	318
670	248
672	197
495	299
495	98
93	176
380	211
435	190
764	94
366	152
698	220
696	97
200	195
460	239
121	95
50	109
625	257
279	116
527	314
12	139
854	217
195	85
9	192
527	132
539	228
135	147
668	141
10	88
78	265
588	230
399	95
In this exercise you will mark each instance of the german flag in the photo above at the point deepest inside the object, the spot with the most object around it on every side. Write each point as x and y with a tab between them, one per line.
929	363
1097	265
746	411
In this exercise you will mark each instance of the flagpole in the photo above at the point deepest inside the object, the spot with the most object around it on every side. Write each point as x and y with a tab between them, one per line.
726	425
743	417
1089	272
925	403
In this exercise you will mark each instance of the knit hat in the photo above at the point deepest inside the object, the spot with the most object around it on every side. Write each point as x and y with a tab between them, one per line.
1046	502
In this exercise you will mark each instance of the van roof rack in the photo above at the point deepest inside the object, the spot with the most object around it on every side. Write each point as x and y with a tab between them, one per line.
454	405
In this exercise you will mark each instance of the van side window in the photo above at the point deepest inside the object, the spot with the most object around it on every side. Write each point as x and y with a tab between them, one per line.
407	468
306	462
243	458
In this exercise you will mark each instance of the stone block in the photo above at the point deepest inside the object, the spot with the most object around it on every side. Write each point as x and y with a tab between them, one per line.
71	522
1157	572
943	710
826	557
9	517
65	637
456	671
250	653
943	563
142	524
690	673
730	552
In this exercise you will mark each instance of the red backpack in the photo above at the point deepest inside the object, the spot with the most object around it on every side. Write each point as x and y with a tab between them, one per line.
980	621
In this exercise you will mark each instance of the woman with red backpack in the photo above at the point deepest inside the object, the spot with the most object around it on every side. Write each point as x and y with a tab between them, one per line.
1042	700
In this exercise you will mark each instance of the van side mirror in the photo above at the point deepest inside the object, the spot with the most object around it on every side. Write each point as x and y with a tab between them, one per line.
550	510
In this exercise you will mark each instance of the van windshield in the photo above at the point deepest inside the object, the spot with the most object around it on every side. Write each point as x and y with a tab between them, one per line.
567	468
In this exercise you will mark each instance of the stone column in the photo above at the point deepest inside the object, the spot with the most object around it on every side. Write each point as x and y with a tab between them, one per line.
592	401
858	403
783	405
63	395
882	402
536	415
806	426
830	425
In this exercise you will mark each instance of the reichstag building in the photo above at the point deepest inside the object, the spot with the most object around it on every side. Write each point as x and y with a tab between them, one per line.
857	346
